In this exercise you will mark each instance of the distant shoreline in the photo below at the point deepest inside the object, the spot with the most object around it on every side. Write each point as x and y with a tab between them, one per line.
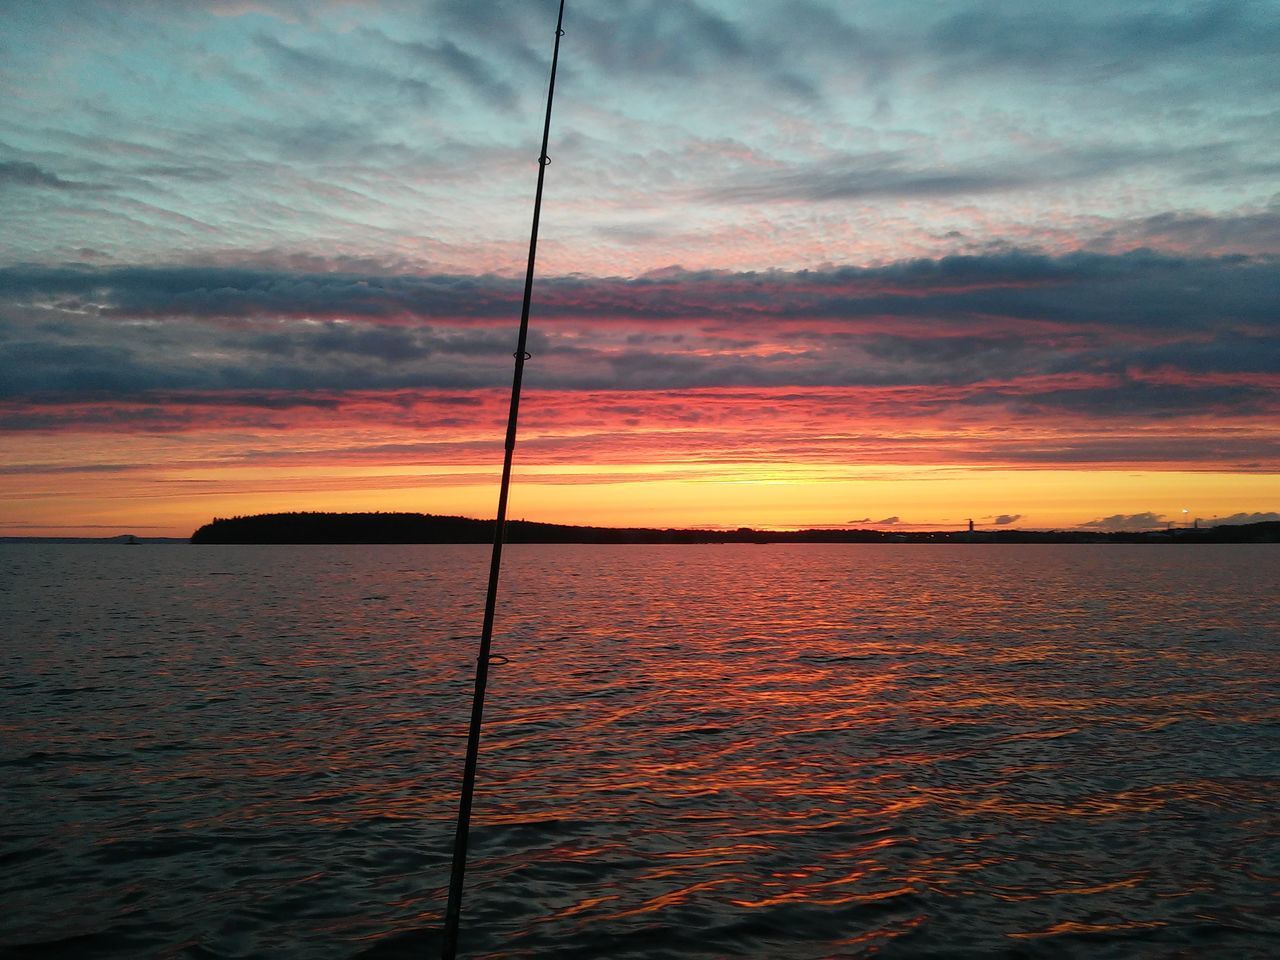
392	528
375	528
124	538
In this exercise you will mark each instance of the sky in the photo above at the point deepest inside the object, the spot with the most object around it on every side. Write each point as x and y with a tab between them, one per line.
801	263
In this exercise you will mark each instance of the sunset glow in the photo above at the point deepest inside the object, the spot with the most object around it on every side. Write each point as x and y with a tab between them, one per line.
800	265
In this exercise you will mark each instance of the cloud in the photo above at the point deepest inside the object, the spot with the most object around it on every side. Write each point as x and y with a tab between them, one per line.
346	191
20	174
896	174
56	468
1132	521
1140	289
1148	521
1102	39
887	522
330	74
806	427
1080	340
1246	231
408	128
1007	518
474	71
1239	518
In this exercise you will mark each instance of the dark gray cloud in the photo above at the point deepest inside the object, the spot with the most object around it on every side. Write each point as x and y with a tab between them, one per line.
241	293
32	368
1222	353
330	73
1239	518
1140	289
961	359
1245	453
1132	335
872	175
898	174
1131	521
1006	518
895	175
1246	232
397	345
386	343
1132	398
139	360
472	70
662	43
667	38
26	469
21	174
1104	39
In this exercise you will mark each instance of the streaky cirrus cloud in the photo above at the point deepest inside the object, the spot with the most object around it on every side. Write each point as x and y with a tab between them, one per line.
839	426
410	129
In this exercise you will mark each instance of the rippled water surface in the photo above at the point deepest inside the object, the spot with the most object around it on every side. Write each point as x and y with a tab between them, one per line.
791	751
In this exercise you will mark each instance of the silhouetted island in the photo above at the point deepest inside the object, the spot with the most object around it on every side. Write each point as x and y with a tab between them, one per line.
429	528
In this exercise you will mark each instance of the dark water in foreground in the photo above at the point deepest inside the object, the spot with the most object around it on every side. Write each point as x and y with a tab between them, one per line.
795	751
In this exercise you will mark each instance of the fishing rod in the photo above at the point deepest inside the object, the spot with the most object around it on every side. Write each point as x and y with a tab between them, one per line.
453	914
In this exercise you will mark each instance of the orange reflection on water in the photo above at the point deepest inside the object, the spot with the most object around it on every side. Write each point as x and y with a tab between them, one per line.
1065	927
825	748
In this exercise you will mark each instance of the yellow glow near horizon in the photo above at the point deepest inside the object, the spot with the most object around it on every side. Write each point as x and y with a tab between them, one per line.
929	496
173	502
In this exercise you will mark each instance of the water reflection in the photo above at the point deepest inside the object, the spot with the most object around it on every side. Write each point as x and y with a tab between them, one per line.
791	751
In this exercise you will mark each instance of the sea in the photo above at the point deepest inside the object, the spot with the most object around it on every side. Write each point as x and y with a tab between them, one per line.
746	750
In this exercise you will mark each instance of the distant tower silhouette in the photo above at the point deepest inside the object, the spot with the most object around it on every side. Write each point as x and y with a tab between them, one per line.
971	526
